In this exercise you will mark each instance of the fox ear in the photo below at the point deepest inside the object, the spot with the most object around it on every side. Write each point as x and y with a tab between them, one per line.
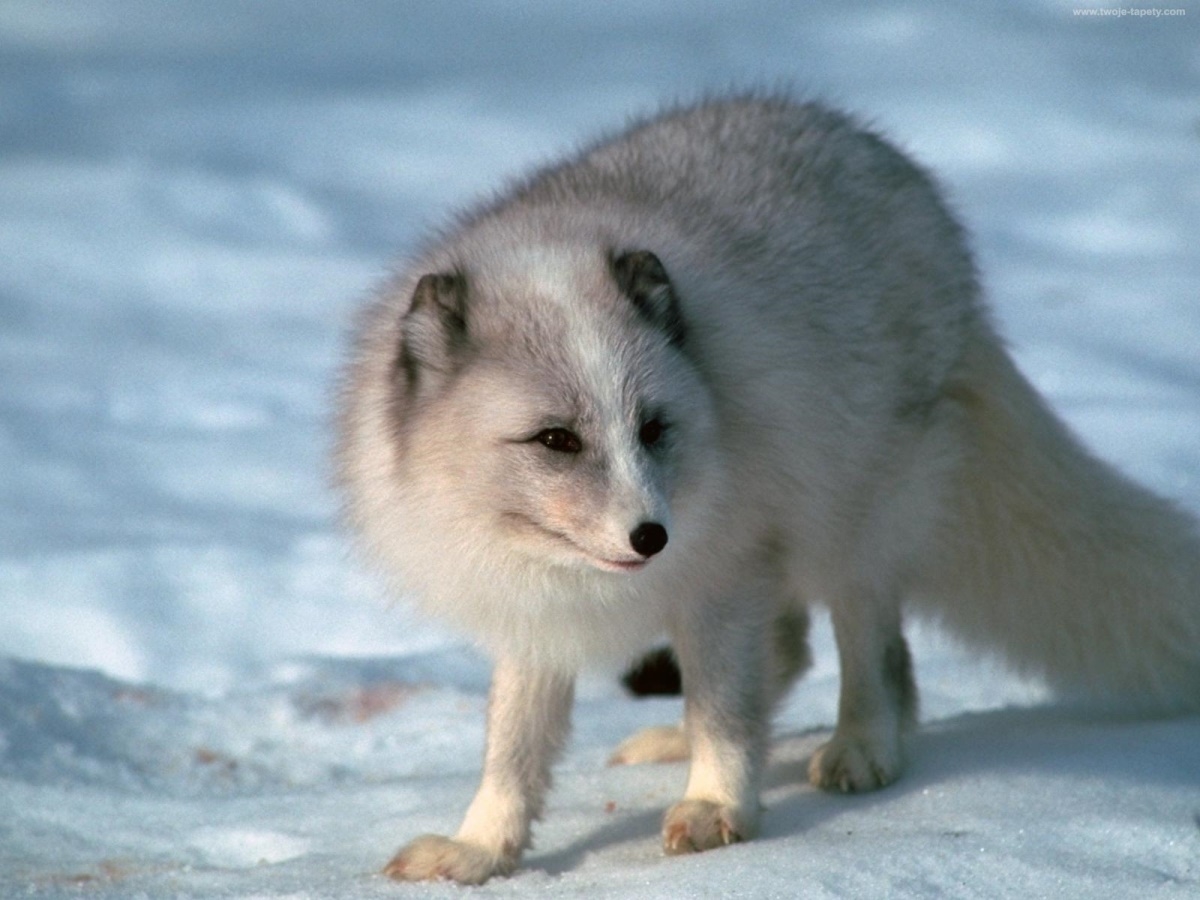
643	279
435	326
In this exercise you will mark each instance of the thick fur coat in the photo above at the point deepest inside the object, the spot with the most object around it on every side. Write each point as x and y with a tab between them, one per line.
731	362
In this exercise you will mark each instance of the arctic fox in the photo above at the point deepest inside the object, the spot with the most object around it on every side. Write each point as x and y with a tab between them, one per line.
728	363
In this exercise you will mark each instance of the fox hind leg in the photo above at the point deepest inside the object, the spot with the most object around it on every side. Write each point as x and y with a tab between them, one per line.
659	671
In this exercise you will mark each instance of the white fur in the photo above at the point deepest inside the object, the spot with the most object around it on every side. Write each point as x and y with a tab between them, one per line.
844	428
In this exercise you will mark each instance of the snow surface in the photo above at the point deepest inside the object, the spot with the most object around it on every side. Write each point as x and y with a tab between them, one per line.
203	694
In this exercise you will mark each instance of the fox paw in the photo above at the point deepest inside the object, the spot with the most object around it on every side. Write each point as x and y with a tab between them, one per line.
432	857
693	826
853	764
660	744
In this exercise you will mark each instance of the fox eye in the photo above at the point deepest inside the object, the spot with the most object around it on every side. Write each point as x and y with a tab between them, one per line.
651	432
560	440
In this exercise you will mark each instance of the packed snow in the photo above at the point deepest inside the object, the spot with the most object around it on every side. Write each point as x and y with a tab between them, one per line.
204	693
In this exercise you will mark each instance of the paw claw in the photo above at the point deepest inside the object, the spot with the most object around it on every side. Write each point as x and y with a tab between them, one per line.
851	765
694	826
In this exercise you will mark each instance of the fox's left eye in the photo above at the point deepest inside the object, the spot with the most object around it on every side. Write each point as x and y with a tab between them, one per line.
560	440
651	432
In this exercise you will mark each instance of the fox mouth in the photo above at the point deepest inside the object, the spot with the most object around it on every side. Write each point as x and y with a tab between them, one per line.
620	566
617	565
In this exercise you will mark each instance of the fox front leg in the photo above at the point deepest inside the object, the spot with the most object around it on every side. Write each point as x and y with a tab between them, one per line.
528	721
726	713
878	701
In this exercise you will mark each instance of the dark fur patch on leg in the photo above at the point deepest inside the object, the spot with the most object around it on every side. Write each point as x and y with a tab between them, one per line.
655	675
792	652
898	677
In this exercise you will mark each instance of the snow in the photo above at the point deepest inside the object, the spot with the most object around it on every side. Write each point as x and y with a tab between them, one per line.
204	694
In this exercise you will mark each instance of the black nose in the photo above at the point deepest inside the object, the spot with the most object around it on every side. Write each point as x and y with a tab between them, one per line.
648	538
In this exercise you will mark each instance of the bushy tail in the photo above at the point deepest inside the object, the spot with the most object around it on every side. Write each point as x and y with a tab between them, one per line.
1049	555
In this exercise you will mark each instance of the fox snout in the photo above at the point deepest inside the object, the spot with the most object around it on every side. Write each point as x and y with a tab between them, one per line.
648	539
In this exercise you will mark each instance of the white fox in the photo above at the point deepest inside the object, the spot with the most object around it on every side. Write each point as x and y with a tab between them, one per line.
728	363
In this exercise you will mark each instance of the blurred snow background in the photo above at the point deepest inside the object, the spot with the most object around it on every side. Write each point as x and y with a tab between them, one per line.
202	693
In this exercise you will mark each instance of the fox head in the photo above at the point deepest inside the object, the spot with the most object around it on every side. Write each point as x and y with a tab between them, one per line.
548	406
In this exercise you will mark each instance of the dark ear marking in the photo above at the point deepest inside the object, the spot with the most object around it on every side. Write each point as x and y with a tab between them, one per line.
434	330
642	278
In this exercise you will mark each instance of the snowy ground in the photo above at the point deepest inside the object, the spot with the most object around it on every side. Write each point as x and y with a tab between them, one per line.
201	692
